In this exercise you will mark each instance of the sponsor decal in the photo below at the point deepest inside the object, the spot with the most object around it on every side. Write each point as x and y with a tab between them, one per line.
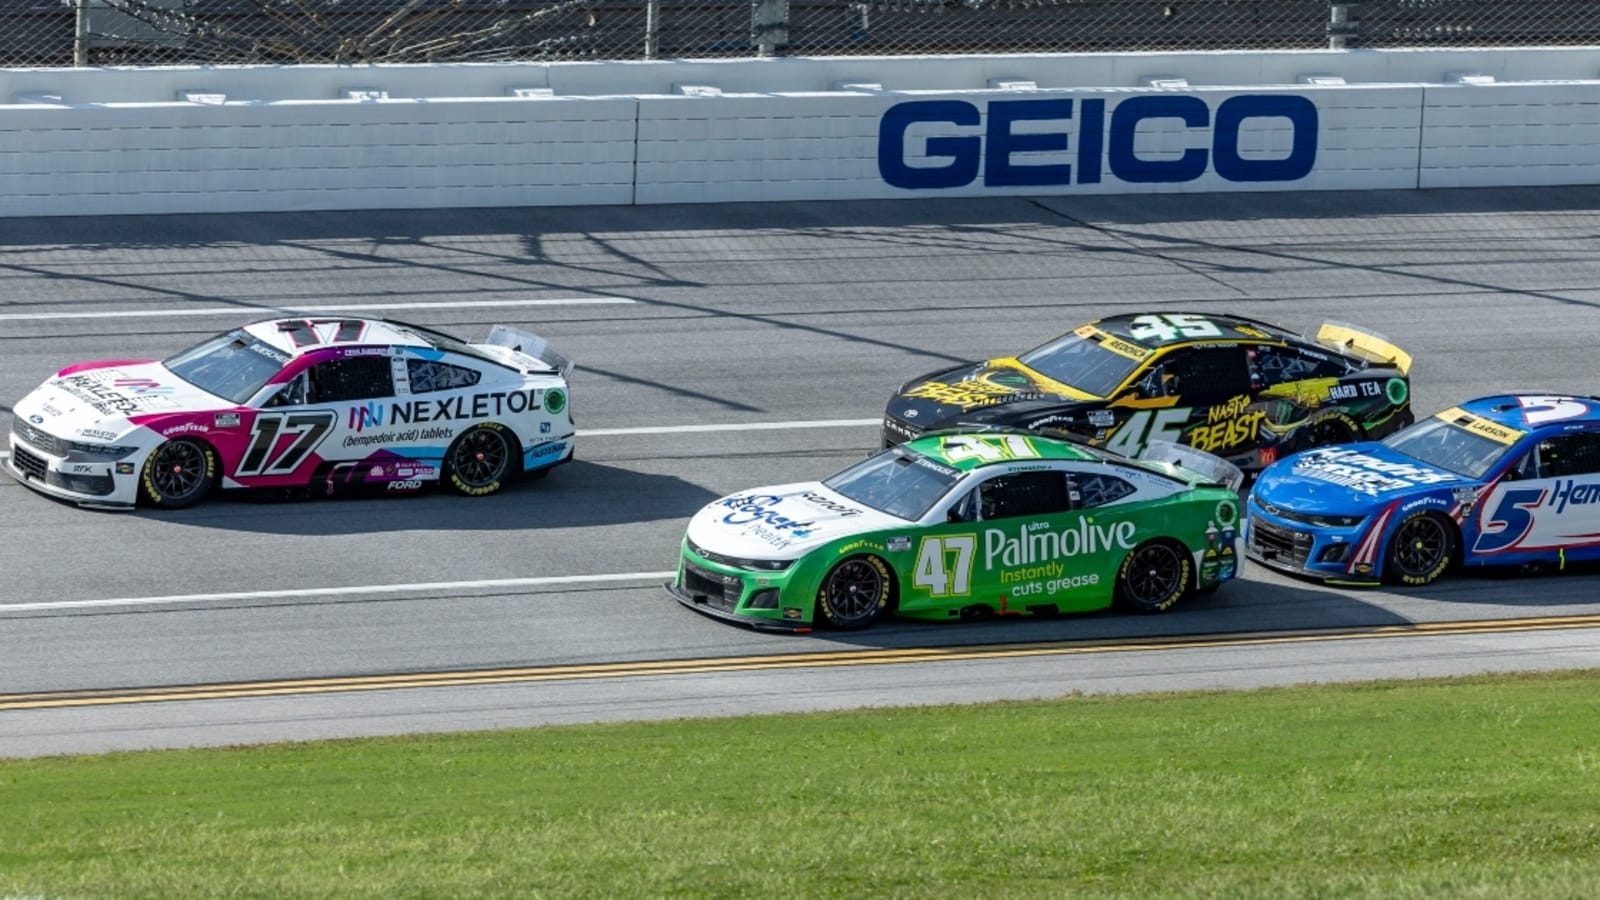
863	544
1367	474
898	544
225	420
36	419
49	409
822	502
82	469
1252	331
964	395
553	448
397	437
101	397
1034	543
271	353
408	485
1232	424
1396	391
755	512
1357	390
359	417
185	428
477	406
1054	586
1102	418
955	142
98	434
555	400
544	427
124	468
143	386
1494	431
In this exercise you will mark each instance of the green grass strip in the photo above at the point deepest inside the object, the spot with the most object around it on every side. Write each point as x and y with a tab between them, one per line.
1479	787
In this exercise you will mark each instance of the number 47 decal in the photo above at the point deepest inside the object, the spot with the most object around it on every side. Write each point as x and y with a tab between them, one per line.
305	430
944	564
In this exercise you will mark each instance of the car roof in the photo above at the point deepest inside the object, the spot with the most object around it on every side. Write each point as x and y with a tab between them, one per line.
949	448
1233	328
1513	410
298	335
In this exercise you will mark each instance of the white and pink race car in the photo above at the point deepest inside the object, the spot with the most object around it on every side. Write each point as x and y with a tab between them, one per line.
298	404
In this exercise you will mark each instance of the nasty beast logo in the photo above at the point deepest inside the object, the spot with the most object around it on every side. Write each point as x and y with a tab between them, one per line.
1229	425
975	140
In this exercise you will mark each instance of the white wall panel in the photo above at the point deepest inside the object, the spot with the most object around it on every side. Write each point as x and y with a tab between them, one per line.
1511	134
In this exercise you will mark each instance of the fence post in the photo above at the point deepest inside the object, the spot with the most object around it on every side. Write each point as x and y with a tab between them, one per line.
80	33
652	27
769	26
1340	26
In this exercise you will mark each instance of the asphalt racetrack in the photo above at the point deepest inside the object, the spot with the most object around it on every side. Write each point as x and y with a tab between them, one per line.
720	348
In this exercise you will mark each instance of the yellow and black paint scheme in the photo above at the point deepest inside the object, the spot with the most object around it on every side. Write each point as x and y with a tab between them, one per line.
1242	389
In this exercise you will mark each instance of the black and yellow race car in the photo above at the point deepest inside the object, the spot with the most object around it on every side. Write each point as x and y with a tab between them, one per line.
1238	388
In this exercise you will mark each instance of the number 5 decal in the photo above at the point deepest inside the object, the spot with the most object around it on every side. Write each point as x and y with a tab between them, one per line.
305	430
935	571
1510	522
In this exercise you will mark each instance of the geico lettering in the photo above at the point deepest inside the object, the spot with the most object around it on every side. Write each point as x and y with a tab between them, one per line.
1029	547
1576	493
1099	146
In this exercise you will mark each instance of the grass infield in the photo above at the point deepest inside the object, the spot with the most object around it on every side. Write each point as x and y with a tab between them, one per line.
1477	787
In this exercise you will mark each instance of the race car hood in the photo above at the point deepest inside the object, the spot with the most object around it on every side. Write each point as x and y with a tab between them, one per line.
1347	480
782	522
104	398
975	392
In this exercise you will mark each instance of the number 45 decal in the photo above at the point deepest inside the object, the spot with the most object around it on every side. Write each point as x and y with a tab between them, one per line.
304	431
1147	425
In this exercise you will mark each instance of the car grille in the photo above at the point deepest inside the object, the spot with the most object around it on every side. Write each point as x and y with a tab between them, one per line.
898	432
1281	545
97	485
36	437
720	591
28	464
720	559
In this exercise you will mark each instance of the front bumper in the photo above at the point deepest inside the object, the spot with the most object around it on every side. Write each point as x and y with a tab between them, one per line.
101	484
1289	545
759	600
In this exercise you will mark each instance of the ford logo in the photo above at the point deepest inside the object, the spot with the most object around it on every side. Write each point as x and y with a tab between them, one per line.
36	419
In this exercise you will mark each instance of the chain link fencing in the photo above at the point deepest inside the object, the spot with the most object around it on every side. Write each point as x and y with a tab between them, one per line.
169	32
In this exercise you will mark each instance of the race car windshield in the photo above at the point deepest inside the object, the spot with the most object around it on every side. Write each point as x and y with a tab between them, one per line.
1443	445
232	366
1080	362
896	482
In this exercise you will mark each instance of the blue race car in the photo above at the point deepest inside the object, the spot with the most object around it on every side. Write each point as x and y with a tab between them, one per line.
1506	480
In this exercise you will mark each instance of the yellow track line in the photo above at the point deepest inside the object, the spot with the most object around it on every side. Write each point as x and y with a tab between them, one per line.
109	696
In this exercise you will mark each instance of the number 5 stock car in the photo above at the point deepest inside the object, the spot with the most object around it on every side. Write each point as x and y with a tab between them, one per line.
953	526
294	403
1505	480
1235	387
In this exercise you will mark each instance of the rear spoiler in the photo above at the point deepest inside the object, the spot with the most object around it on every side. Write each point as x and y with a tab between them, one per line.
530	344
1208	467
1368	345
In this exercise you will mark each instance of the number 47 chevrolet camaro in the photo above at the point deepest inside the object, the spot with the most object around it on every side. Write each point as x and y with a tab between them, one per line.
952	526
295	404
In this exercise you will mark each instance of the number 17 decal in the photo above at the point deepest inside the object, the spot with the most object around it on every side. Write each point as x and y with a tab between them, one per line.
303	431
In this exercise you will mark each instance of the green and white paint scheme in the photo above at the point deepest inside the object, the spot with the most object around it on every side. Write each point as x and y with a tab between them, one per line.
960	525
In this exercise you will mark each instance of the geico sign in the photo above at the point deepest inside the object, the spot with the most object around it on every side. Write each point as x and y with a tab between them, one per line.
1100	145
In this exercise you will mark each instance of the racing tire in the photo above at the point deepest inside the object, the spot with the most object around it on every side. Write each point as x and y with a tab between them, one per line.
1154	577
1330	428
1422	549
178	473
855	593
480	460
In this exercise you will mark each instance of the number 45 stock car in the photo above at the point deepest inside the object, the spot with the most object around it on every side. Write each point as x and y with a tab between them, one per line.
296	404
954	526
1238	388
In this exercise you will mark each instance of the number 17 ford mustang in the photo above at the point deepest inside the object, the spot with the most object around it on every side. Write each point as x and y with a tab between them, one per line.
298	404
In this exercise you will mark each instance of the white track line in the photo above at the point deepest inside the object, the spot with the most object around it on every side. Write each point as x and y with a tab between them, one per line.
692	429
263	311
357	591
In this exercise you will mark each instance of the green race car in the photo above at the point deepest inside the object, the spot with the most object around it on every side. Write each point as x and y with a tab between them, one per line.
957	525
